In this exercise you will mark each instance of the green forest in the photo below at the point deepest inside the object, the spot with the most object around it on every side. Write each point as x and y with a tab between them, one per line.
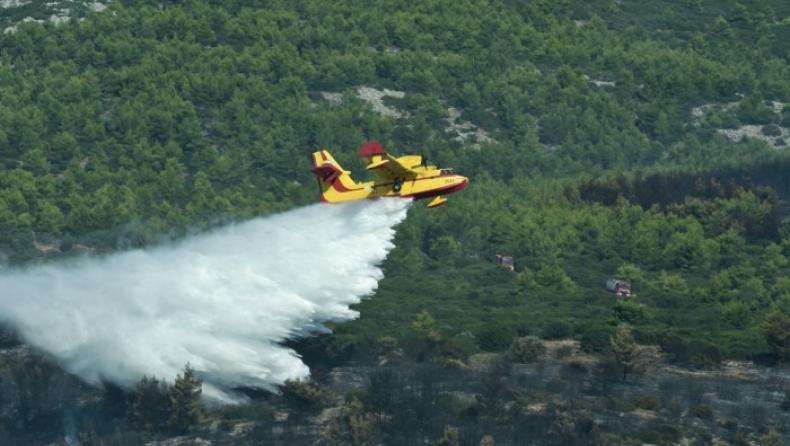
602	147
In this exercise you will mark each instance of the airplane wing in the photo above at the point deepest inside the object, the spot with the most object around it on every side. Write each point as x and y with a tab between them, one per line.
386	165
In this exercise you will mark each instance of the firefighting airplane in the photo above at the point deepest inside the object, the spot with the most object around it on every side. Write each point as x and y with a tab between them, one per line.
407	176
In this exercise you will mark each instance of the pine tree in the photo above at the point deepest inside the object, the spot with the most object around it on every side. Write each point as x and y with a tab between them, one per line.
151	404
777	333
627	353
186	405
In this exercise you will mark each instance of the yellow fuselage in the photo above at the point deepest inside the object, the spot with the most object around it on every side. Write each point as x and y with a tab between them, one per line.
344	189
417	182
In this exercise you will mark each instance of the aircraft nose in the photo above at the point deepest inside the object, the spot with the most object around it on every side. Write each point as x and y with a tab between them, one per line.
460	184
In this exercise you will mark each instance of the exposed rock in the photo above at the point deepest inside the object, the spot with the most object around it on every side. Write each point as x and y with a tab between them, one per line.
375	98
777	141
599	83
466	132
13	3
756	132
334	99
53	12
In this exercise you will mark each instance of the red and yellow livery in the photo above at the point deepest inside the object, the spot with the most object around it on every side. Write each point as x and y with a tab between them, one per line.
406	176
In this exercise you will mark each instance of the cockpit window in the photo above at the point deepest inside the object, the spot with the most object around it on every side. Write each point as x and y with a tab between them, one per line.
446	171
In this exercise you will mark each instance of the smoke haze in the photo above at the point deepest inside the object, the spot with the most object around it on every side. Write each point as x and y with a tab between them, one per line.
220	301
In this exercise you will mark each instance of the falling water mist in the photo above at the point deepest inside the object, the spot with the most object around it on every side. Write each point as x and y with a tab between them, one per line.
221	301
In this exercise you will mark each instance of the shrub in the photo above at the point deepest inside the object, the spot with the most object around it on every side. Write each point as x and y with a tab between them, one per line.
753	111
739	439
387	343
777	334
771	438
629	312
647	335
557	385
648	402
670	434
557	330
648	436
704	411
630	272
494	338
691	352
303	395
596	339
527	349
257	411
564	351
675	408
771	130
461	346
578	367
487	440
453	364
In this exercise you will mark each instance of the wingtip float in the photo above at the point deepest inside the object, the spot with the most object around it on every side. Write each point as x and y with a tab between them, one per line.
405	176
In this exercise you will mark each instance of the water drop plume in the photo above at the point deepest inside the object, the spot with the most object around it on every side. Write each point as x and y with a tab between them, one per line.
221	301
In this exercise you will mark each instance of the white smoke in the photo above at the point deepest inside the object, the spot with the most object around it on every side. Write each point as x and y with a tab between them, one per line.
220	301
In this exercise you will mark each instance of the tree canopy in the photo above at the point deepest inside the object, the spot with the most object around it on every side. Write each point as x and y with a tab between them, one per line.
594	135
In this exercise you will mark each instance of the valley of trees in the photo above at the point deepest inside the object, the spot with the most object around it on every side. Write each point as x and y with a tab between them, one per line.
601	155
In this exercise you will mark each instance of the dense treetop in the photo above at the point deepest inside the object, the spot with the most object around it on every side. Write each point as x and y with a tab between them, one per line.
149	118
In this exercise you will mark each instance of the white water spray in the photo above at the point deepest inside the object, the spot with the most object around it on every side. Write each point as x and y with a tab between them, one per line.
220	301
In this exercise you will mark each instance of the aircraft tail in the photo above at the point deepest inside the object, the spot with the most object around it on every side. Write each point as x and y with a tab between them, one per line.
334	182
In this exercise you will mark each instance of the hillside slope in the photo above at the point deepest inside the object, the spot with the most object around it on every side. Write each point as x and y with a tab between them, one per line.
600	138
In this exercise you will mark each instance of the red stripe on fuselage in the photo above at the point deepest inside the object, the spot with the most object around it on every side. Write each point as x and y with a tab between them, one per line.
439	190
339	186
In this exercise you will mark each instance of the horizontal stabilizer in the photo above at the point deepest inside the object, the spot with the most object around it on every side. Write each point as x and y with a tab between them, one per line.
377	164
